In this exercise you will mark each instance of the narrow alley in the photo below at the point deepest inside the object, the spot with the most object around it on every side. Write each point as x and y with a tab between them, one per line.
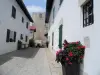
32	61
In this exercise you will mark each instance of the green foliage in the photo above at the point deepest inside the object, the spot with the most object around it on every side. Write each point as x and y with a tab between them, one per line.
73	52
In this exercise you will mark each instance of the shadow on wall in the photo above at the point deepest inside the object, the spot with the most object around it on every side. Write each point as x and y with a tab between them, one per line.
27	53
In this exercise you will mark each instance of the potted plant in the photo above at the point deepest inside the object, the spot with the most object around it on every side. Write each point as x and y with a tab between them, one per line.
71	56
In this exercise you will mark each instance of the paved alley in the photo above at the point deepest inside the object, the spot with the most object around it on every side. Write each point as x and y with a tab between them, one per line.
32	61
25	62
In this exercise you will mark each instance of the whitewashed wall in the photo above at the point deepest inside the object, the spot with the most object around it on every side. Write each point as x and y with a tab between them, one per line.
70	15
7	22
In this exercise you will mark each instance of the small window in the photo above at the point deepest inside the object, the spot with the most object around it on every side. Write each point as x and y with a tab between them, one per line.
11	36
40	15
21	36
22	20
27	25
88	16
61	2
13	12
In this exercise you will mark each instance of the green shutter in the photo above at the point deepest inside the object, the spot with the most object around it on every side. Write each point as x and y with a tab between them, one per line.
60	36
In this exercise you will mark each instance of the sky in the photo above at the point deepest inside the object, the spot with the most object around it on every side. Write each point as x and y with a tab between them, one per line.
35	5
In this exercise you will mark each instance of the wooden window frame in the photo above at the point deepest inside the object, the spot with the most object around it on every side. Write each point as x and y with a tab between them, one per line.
13	12
22	19
88	16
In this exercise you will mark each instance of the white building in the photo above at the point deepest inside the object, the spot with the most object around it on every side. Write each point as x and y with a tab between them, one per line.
39	23
14	21
76	20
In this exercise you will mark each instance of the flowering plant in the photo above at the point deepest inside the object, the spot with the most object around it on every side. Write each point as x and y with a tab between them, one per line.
73	52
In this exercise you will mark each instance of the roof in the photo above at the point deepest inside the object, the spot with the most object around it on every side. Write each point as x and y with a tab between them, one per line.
49	5
23	7
32	27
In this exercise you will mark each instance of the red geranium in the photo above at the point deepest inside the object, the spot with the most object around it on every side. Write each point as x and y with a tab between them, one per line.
65	45
77	42
58	51
81	57
70	63
70	54
67	59
82	46
73	51
78	47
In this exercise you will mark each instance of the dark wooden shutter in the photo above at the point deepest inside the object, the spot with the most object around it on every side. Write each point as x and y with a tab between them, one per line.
27	25
8	35
14	36
13	12
26	39
22	20
21	36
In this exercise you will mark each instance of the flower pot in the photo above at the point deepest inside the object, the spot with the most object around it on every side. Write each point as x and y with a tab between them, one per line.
63	69
73	69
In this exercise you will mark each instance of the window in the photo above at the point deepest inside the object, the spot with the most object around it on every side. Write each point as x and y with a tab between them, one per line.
11	36
40	15
13	12
26	38
61	2
22	20
27	25
88	17
21	36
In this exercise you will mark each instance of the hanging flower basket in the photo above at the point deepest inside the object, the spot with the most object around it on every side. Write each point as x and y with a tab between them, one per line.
73	52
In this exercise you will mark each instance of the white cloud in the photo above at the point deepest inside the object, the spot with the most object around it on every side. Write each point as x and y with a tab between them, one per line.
34	8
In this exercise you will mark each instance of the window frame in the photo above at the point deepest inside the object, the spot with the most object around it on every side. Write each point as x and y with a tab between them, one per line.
21	36
22	19
88	15
13	12
11	36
